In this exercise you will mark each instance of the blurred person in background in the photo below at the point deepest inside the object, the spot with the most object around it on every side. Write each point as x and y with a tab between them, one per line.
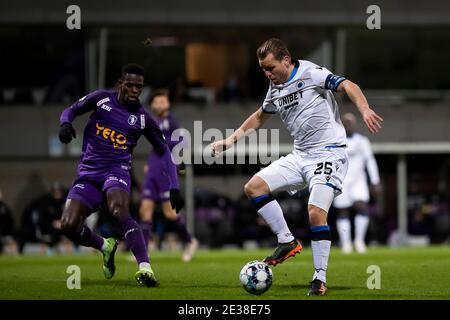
50	207
64	85
155	188
302	93
117	121
355	190
8	243
41	220
32	188
419	209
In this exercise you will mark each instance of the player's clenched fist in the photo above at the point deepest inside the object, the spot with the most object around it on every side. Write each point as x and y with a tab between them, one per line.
66	132
176	200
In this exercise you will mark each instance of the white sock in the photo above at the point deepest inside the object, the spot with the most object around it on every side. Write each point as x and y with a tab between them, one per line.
344	229
321	252
104	244
273	215
361	223
144	265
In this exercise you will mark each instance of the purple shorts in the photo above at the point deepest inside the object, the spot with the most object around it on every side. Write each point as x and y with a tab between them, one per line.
156	189
91	185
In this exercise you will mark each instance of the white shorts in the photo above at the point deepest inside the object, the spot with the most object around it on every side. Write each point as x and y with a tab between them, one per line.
298	170
353	190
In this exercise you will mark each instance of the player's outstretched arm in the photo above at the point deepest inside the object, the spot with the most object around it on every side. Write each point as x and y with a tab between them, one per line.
255	121
371	119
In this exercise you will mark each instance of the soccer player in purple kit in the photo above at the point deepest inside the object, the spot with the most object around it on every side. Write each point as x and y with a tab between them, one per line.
155	188
114	127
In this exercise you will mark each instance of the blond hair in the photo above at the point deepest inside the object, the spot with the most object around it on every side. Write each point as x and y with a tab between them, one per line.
274	46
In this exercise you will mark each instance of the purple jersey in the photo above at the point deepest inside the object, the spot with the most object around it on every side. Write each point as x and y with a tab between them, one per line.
167	125
154	186
113	131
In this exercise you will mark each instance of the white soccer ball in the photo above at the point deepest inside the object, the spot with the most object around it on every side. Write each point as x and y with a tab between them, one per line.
256	277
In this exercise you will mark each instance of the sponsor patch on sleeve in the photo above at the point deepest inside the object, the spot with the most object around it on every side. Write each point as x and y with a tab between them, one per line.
101	101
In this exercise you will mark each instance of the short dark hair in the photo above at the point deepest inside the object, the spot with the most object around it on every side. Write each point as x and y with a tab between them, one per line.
159	92
133	68
275	46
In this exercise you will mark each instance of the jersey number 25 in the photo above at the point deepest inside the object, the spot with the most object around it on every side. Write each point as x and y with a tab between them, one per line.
325	166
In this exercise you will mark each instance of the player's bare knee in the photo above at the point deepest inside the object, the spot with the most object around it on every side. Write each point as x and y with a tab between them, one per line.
145	214
248	189
255	187
361	206
343	213
146	210
117	209
171	215
69	224
317	216
169	212
65	227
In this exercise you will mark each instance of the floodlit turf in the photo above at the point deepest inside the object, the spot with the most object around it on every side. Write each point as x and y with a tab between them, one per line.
408	273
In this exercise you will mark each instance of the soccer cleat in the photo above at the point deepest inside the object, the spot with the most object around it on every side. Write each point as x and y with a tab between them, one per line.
283	251
108	257
360	246
146	277
317	288
189	251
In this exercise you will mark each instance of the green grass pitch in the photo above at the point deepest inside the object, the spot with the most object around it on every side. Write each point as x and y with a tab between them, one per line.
406	273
